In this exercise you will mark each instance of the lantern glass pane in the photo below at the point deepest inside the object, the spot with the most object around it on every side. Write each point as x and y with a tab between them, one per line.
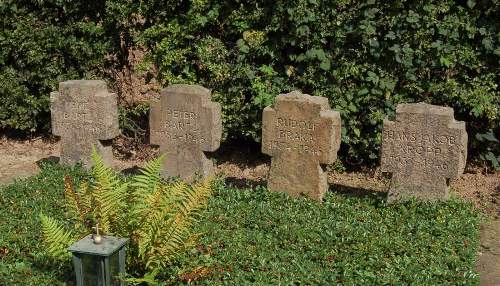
114	265
92	270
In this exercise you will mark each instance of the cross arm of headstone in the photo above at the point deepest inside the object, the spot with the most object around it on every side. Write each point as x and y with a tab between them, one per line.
213	125
458	153
268	115
424	136
330	130
155	122
57	119
310	116
106	115
386	147
191	107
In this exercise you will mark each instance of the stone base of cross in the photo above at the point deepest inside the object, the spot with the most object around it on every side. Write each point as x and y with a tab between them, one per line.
309	178
194	163
75	150
423	148
301	133
402	188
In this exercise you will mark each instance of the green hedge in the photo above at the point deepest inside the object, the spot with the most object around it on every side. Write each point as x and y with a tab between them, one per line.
42	43
365	56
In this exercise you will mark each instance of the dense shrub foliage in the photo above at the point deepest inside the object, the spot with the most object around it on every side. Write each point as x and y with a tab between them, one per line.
41	43
365	56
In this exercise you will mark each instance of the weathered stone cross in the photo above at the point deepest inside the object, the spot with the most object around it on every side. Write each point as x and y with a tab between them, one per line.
83	113
423	148
300	132
185	123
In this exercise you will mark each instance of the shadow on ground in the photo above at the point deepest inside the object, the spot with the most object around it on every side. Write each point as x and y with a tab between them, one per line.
244	154
50	159
241	183
357	192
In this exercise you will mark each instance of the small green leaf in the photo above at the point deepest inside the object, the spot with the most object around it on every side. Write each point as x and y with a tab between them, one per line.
363	91
325	65
445	62
242	46
493	159
356	131
489	136
391	35
487	43
352	107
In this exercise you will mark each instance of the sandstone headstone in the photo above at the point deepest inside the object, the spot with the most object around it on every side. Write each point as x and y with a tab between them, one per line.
186	123
300	132
84	113
423	148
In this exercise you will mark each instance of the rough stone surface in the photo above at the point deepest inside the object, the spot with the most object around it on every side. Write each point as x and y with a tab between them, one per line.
84	113
423	149
300	132
185	123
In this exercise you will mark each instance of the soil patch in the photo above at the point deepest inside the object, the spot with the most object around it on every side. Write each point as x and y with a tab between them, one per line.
18	159
243	165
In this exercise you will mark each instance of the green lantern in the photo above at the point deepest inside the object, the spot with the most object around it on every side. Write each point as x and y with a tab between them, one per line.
98	260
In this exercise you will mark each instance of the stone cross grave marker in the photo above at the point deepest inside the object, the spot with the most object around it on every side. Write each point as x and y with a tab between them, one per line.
300	132
186	123
83	113
423	148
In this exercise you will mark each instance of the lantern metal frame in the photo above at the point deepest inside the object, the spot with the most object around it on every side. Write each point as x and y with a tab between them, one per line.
101	253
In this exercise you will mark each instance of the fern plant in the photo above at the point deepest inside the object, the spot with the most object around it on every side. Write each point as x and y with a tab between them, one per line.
157	216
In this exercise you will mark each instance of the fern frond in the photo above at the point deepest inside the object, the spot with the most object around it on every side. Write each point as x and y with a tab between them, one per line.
119	218
148	188
104	176
167	229
109	204
162	200
194	198
73	201
85	196
168	241
56	238
108	192
149	178
149	278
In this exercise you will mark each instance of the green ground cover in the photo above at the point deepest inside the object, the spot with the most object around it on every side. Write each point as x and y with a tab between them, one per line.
256	237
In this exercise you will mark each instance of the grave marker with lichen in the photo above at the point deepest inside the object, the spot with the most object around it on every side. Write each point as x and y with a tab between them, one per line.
185	123
423	149
301	133
84	114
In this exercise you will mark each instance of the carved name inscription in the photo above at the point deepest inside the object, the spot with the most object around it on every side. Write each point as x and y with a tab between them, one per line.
295	136
300	132
422	148
185	123
182	126
83	113
76	117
